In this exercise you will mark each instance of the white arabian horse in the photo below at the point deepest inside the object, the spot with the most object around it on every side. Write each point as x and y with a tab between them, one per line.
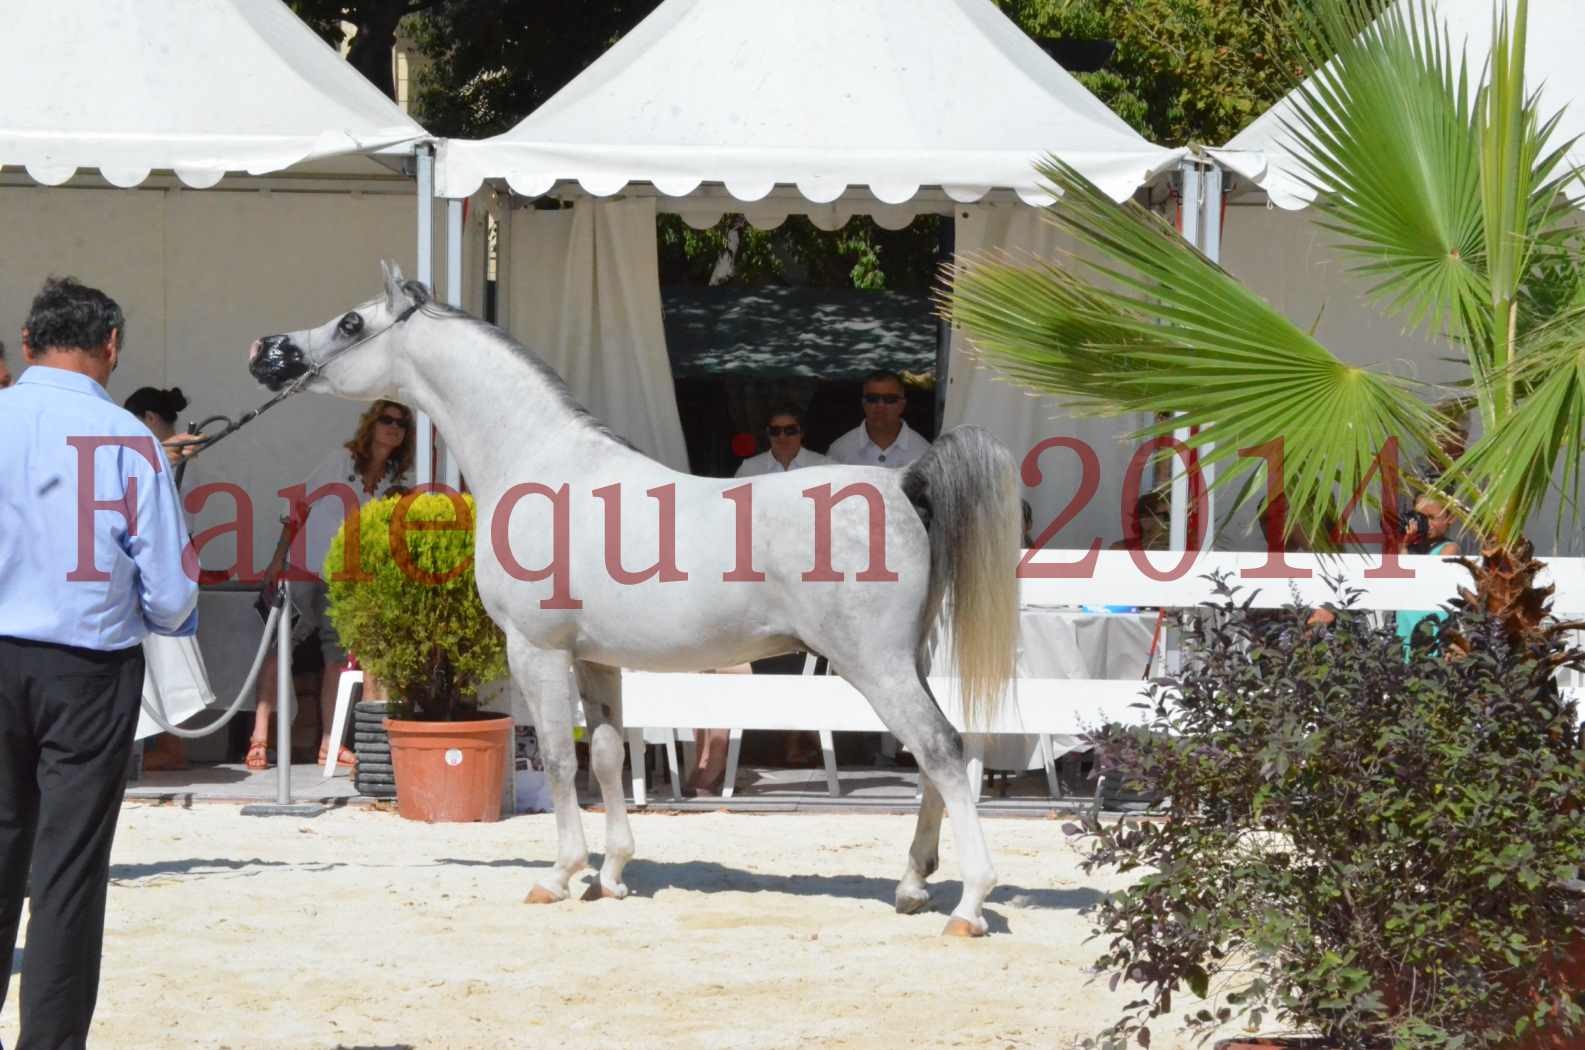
759	568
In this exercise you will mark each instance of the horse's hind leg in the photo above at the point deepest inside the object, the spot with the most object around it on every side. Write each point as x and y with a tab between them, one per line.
601	687
906	706
924	855
544	676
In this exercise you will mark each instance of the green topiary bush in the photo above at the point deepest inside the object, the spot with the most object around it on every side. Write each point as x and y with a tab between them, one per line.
408	607
1373	843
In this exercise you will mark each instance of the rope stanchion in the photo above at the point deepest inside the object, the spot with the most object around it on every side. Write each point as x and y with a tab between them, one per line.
155	707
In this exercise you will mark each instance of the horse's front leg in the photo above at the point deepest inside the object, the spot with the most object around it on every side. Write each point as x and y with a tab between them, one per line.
545	678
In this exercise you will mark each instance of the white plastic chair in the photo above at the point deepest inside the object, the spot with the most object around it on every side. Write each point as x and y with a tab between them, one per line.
350	677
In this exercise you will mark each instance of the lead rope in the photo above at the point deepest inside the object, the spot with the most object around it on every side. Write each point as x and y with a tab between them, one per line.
154	705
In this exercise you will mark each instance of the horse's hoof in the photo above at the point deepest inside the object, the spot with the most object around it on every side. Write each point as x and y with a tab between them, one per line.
908	904
599	891
957	927
540	895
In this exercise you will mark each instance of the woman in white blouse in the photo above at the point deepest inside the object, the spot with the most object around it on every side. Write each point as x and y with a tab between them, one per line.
786	433
378	460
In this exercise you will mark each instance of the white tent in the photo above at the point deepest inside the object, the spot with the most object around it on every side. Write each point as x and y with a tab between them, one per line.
826	108
161	98
1263	152
824	95
112	112
200	88
1274	248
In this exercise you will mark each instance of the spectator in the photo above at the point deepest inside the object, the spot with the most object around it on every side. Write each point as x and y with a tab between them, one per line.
375	463
157	409
1150	529
1425	531
5	370
70	660
883	439
784	431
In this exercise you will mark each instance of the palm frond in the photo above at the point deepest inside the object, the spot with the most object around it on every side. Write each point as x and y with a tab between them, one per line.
1511	470
1383	133
1151	325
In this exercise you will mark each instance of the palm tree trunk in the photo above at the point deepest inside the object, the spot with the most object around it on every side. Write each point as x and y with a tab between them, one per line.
1505	588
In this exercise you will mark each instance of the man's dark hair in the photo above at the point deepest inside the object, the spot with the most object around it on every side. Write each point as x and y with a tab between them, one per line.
2	349
72	316
882	375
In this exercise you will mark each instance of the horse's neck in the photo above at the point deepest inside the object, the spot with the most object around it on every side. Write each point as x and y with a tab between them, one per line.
498	414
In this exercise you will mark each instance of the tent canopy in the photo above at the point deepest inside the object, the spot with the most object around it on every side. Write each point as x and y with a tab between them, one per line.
825	95
200	88
1264	151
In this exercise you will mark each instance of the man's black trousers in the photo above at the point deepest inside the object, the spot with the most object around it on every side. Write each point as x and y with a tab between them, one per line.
66	722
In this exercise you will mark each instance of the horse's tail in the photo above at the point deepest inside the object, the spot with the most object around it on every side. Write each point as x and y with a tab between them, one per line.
966	492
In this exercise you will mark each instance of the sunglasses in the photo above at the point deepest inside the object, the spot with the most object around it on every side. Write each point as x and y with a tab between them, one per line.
882	399
788	431
394	421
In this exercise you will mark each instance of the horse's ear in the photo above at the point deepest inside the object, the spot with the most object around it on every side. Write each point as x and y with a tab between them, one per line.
394	295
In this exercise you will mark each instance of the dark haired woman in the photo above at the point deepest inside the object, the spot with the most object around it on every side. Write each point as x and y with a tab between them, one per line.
157	409
377	461
174	677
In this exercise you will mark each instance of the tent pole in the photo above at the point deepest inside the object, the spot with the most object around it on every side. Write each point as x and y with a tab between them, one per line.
424	468
1190	210
452	474
1211	246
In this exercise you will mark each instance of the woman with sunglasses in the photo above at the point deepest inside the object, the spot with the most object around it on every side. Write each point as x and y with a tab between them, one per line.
786	435
377	461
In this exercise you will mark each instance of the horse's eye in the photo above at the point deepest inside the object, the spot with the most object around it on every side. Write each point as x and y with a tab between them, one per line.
350	325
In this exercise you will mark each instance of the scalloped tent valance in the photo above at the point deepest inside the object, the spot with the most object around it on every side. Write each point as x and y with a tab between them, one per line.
201	88
1263	153
858	99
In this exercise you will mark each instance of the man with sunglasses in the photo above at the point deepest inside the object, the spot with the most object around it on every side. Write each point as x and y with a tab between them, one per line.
884	439
786	452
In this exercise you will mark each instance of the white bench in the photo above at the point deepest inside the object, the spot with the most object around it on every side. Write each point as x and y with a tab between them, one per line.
1038	706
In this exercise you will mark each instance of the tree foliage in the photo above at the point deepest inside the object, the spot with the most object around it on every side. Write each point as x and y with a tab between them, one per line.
374	24
1183	70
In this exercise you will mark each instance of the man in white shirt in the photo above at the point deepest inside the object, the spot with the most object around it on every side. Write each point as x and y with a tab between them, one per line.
786	452
883	440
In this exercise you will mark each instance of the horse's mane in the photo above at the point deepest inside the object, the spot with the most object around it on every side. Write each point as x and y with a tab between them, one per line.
582	418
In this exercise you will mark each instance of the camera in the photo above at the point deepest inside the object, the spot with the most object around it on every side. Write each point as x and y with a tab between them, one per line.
1415	531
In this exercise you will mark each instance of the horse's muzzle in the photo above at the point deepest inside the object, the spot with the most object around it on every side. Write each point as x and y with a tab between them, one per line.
275	361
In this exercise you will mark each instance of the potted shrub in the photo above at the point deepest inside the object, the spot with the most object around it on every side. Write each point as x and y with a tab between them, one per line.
1371	843
405	601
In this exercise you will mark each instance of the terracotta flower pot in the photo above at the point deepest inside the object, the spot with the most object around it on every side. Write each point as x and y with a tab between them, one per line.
450	771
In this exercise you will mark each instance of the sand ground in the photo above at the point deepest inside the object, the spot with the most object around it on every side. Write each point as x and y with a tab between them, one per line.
360	929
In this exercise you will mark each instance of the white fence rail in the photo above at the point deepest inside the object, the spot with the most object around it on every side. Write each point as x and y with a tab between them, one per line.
1052	706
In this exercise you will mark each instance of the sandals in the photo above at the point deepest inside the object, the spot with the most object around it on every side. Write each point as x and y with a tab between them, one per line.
345	759
258	755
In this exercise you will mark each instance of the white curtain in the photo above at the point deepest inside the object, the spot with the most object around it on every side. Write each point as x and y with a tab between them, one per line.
977	394
583	291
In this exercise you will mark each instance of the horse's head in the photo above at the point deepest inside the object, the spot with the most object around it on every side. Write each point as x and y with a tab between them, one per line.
349	355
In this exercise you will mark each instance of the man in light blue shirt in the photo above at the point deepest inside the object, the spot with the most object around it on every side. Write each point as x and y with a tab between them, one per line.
91	561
